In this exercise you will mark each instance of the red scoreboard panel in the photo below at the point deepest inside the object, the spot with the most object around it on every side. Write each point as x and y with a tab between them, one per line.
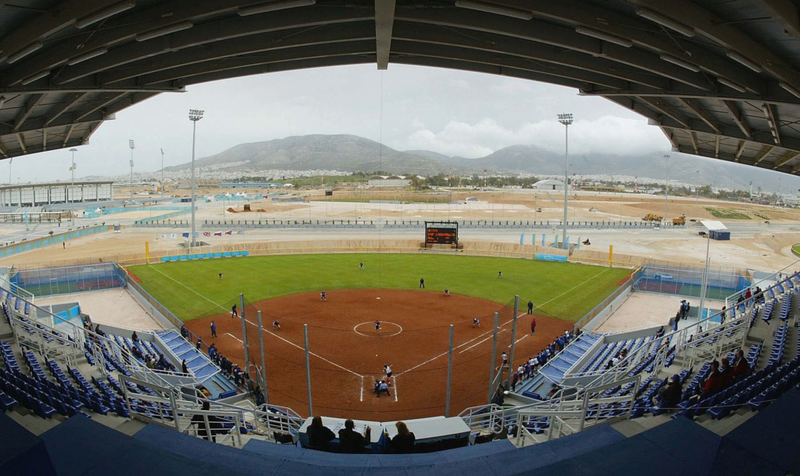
441	233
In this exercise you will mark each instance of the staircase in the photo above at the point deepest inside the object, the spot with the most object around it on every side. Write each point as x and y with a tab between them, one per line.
204	370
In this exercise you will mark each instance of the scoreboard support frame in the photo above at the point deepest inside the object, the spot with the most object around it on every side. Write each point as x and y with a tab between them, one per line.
441	233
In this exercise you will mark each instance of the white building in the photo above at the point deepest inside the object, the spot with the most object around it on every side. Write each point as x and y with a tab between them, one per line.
36	194
389	181
549	184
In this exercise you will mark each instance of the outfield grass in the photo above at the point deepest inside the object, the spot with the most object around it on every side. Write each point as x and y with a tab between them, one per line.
564	290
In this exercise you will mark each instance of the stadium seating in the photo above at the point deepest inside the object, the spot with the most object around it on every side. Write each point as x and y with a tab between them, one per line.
199	364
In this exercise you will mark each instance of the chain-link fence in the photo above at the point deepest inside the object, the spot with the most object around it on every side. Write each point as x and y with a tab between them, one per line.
69	279
721	282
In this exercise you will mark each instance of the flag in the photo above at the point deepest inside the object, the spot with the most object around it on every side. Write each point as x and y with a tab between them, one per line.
196	234
229	232
241	232
173	236
208	233
185	235
522	238
164	236
217	233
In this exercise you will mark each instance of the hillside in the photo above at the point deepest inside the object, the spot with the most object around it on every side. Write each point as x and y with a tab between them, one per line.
332	152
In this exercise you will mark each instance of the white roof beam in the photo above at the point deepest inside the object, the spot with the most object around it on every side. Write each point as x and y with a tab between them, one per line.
738	118
700	112
31	103
769	113
384	22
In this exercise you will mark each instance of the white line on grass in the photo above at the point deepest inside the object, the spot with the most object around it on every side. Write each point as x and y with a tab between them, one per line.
265	330
395	388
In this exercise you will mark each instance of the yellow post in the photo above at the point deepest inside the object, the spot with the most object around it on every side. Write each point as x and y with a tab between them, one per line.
610	255
146	252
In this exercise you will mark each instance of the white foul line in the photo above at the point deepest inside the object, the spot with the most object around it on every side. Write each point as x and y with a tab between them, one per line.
395	388
229	334
362	388
265	330
481	342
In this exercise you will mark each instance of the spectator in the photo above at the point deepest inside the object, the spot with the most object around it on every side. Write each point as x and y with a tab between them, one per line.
199	343
514	379
741	367
726	371
403	442
670	395
499	395
660	332
351	441
134	337
553	391
184	332
713	382
98	331
319	436
184	368
203	430
722	315
136	352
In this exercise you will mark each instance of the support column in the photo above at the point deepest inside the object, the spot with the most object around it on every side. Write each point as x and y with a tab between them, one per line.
244	333
308	371
513	341
494	352
449	374
263	365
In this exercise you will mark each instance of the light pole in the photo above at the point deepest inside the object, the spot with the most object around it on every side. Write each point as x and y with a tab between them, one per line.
194	116
72	187
162	173
130	144
697	189
666	187
565	119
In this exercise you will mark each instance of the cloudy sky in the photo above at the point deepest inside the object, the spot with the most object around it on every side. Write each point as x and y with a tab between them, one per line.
451	112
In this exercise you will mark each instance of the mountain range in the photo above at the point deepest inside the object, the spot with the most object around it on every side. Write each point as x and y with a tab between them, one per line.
349	153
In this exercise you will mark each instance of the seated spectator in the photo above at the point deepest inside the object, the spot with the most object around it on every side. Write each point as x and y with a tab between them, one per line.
670	395
726	371
136	352
319	436
741	367
713	382
553	391
351	441
134	337
403	442
98	331
660	332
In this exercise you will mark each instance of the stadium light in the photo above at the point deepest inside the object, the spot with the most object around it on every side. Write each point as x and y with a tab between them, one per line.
604	36
105	13
24	52
732	85
72	188
35	77
744	61
194	116
681	63
87	56
274	6
149	35
665	22
566	119
130	144
788	87
495	9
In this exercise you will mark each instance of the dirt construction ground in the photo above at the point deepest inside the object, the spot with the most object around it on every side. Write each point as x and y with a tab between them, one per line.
347	354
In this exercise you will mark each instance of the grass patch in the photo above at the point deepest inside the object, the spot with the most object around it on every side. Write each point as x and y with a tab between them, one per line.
728	213
796	249
563	290
763	217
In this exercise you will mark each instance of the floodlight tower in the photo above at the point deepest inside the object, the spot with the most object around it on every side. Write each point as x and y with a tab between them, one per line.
565	119
666	187
72	188
130	144
162	173
194	116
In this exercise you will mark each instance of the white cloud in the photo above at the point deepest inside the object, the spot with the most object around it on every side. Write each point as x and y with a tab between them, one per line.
606	134
417	123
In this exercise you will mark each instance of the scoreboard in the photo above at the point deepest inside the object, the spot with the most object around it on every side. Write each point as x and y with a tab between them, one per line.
441	233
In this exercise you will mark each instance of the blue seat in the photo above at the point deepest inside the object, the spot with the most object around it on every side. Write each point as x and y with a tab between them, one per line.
226	254
245	253
236	253
165	259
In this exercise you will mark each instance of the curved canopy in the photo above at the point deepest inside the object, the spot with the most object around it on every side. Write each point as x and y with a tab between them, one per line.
721	79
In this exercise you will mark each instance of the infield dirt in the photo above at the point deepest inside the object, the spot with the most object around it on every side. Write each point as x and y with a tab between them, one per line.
347	354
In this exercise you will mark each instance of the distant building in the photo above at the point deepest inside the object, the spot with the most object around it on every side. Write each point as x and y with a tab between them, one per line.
36	194
389	181
549	184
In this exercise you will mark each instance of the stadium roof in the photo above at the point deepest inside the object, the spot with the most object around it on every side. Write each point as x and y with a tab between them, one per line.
721	79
